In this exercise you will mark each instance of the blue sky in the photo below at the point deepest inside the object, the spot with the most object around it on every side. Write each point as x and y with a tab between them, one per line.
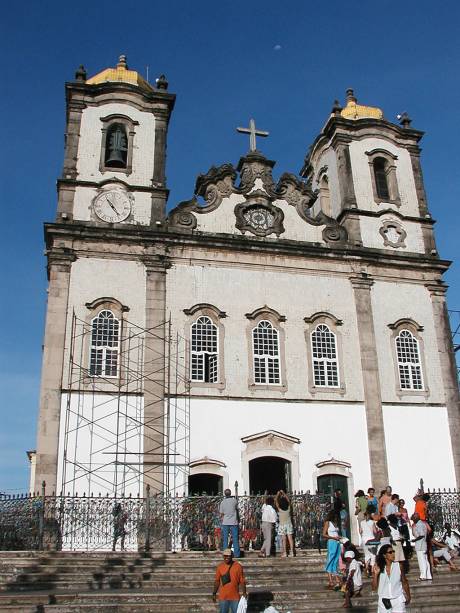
281	63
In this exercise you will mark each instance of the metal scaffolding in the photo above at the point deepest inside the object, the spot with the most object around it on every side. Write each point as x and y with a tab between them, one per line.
454	318
109	441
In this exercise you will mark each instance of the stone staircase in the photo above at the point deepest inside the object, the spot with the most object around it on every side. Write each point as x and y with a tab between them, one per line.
71	582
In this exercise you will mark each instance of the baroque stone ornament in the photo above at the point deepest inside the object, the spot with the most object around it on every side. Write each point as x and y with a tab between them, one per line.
258	214
259	219
393	234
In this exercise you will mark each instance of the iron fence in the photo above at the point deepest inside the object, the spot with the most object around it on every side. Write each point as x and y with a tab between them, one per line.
443	508
174	523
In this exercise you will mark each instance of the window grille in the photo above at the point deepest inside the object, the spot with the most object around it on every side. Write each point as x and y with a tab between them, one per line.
325	363
381	181
265	342
204	358
409	367
105	345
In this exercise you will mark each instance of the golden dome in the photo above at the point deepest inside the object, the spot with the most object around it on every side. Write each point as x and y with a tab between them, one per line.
353	110
120	74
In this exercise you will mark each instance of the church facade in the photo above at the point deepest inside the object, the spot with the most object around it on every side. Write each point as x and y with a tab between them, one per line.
305	315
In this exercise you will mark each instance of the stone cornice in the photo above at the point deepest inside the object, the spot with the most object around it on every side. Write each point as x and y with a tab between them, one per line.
138	235
147	98
340	130
161	191
387	211
362	282
205	305
155	263
437	289
61	256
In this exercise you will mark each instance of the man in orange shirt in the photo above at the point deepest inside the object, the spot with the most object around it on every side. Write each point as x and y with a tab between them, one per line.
229	577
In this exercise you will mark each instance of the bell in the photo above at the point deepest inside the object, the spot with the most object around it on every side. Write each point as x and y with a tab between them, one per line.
117	147
116	158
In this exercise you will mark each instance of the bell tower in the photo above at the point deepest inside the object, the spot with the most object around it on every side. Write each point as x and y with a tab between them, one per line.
115	148
104	264
368	175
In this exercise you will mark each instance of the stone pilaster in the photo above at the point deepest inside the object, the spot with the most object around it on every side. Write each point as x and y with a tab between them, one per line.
448	367
72	137
154	440
427	227
159	165
345	173
371	381
59	267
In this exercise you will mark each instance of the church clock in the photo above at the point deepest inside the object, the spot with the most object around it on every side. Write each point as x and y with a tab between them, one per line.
112	206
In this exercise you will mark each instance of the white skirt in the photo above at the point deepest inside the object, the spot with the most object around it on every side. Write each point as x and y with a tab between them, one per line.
398	605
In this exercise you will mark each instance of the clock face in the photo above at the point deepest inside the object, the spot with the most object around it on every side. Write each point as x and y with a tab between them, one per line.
112	206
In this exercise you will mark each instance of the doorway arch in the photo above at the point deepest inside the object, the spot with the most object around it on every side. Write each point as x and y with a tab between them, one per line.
269	474
205	484
271	444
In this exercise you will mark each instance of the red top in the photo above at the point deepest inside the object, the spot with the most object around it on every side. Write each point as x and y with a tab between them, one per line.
420	508
230	591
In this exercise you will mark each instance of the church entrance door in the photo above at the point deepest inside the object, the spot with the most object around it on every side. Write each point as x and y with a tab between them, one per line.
327	484
205	484
269	474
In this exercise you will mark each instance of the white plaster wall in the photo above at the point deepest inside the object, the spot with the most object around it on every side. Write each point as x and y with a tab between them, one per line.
295	294
390	302
83	206
91	442
89	146
222	220
418	445
362	176
93	278
325	430
328	158
371	236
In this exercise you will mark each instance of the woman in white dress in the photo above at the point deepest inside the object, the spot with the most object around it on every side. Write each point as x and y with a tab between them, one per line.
391	582
369	539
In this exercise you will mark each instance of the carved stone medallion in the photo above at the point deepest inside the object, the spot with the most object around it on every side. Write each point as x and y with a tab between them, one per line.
259	219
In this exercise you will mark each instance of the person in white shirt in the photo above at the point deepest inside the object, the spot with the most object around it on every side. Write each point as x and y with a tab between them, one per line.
420	532
354	580
391	582
391	508
269	518
368	531
452	539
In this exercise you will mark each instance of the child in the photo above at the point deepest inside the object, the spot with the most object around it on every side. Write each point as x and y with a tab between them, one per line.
354	580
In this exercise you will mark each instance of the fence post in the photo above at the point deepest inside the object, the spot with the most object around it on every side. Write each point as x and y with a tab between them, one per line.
41	518
147	518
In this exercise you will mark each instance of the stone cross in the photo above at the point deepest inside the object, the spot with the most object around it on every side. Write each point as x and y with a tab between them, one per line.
252	132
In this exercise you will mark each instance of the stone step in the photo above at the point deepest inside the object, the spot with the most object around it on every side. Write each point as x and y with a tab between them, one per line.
133	581
435	603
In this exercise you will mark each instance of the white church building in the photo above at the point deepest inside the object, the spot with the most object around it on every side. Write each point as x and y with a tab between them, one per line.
282	333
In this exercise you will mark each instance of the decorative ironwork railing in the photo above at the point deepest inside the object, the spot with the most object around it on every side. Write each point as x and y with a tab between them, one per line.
443	508
163	522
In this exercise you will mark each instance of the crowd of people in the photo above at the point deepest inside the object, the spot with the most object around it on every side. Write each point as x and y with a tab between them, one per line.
388	537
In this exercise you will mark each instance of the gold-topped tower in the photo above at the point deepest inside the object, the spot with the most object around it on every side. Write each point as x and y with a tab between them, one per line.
353	110
120	74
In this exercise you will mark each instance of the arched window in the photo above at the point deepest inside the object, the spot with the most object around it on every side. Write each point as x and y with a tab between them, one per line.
204	353
325	196
324	353
116	149
409	365
380	176
105	345
265	344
